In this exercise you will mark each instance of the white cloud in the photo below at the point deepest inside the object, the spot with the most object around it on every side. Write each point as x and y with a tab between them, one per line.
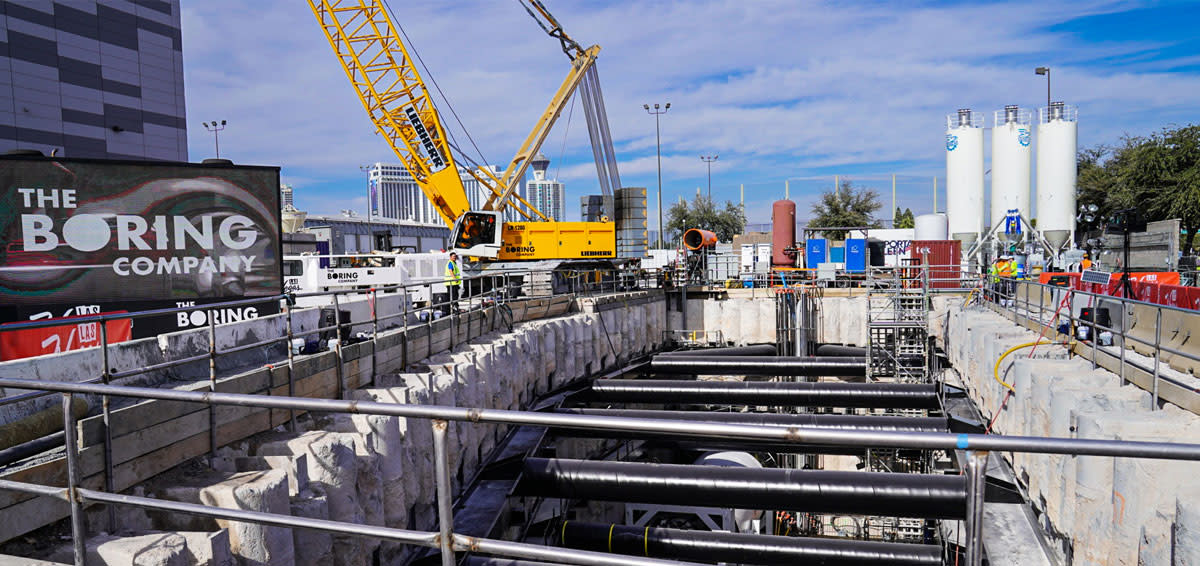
778	89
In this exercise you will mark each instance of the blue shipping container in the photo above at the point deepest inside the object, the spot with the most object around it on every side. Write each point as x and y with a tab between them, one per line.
856	255
814	252
837	255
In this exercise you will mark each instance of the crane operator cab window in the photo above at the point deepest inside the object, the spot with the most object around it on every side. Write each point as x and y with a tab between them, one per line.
477	234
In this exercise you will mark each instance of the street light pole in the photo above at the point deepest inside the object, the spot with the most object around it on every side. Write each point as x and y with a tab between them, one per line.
708	160
1045	71
370	206
658	149
215	127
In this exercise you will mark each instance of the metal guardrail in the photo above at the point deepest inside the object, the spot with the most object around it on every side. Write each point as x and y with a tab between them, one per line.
937	278
1006	296
493	289
977	446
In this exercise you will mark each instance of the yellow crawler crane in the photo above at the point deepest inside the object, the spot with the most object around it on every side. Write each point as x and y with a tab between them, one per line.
387	81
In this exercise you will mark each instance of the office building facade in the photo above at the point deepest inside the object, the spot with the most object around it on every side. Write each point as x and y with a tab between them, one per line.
546	195
395	195
88	78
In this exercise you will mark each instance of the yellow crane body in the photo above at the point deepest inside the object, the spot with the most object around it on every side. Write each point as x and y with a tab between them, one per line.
558	240
389	85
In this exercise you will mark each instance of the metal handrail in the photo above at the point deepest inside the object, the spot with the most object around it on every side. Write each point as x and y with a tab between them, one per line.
794	434
1124	303
976	445
505	288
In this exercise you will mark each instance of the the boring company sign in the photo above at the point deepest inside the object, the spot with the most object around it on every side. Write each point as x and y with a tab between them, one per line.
128	236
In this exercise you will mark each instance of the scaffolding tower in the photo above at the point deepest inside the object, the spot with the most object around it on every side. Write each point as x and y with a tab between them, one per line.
898	327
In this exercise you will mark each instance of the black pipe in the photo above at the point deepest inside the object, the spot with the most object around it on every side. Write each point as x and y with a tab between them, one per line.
767	393
856	493
708	546
761	365
856	422
31	448
757	350
839	350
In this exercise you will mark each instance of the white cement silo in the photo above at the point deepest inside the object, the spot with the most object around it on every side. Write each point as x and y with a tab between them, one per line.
930	227
1058	129
1011	135
964	175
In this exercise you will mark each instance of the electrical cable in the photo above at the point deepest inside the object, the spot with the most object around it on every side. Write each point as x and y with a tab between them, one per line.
996	369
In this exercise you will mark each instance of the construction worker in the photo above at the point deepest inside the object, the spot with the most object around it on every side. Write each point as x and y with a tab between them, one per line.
1087	262
994	278
1007	270
453	278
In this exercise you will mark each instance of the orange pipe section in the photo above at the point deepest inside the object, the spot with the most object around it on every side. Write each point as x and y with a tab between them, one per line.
695	239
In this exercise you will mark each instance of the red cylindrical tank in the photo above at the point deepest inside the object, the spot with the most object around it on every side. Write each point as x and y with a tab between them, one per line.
696	239
783	232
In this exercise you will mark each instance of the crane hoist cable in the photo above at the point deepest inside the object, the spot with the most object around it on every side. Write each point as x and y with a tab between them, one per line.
562	150
429	74
593	105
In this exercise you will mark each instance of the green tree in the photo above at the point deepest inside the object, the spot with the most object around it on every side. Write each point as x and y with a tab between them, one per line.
1163	176
905	219
702	213
1158	174
848	207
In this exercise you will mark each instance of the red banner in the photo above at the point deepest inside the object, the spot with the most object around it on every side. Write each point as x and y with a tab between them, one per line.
1167	277
1174	295
1160	287
31	342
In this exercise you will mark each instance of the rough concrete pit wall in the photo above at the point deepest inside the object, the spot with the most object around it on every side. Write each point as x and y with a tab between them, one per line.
843	320
740	321
379	470
1096	510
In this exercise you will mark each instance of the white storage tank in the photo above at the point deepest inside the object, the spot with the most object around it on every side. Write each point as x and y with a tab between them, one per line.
1011	157
964	175
1058	129
931	227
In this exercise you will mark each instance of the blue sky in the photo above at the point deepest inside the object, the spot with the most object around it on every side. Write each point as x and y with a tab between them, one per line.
782	90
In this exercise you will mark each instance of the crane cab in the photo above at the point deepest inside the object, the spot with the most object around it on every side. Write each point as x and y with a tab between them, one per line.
478	234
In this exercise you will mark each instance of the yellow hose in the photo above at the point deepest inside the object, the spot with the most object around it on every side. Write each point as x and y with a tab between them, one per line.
996	369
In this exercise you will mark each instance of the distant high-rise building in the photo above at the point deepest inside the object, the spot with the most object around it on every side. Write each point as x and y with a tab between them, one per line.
285	196
91	78
544	194
397	196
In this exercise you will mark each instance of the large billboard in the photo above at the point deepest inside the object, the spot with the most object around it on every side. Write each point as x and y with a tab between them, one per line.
86	236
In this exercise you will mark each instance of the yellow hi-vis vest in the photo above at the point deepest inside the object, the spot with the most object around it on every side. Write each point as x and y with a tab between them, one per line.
453	273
